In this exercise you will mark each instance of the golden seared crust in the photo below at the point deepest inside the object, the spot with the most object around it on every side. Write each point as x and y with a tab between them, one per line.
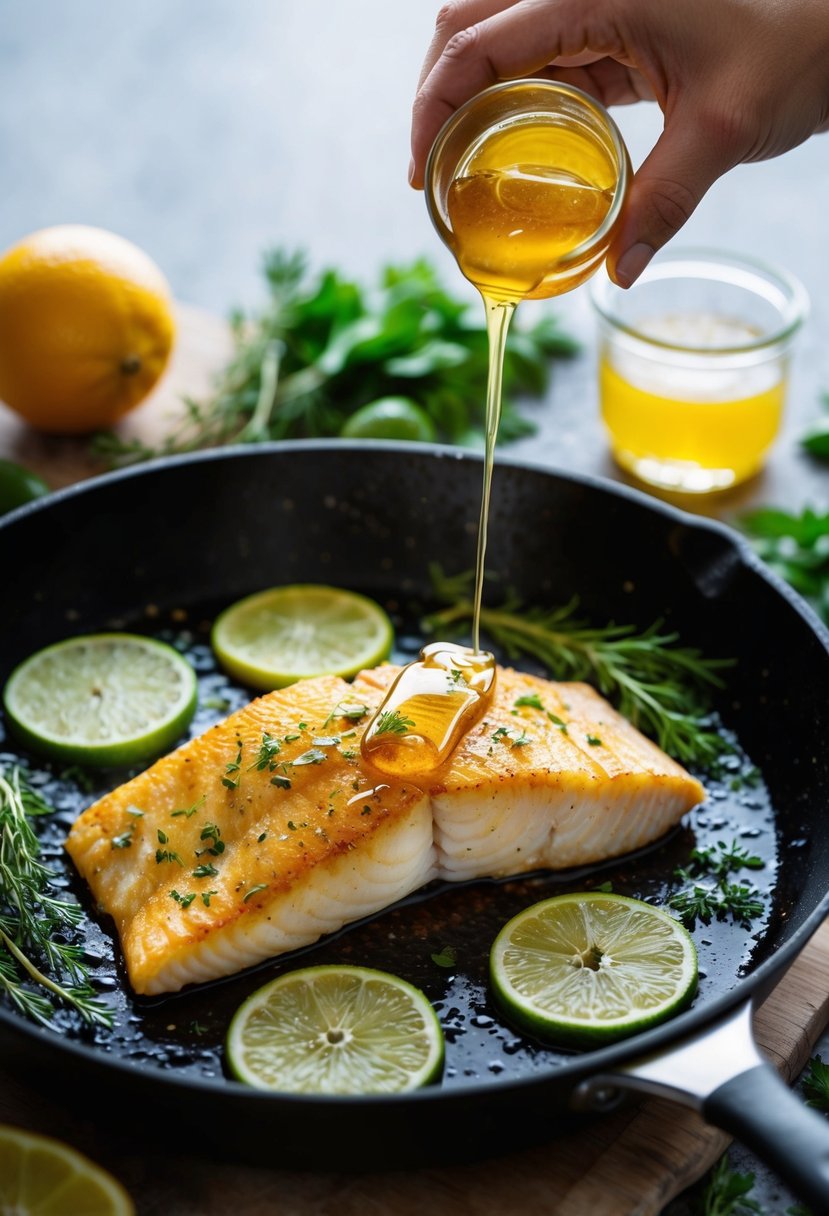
231	825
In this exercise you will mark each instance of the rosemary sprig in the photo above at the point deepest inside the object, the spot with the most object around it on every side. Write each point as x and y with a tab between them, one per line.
323	347
657	684
36	928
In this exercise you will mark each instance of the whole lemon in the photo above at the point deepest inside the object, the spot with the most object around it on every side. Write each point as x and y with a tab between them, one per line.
86	328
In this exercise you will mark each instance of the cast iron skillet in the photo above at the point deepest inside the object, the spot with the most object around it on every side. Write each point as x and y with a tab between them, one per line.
162	548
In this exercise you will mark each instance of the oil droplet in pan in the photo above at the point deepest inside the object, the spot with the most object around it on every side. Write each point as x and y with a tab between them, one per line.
430	706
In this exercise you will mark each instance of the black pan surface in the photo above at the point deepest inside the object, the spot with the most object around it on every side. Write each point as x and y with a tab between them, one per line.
164	548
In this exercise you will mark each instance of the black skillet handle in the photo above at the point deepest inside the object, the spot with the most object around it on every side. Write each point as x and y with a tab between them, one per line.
763	1113
719	1071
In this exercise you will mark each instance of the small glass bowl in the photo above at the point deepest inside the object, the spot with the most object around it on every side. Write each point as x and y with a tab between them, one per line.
559	109
694	366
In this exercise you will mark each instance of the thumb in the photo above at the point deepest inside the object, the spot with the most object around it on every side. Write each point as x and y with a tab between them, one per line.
670	183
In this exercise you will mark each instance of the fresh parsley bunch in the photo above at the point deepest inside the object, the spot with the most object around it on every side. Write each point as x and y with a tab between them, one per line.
323	347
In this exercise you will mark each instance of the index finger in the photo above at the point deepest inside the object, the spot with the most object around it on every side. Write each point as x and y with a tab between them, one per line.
454	16
513	42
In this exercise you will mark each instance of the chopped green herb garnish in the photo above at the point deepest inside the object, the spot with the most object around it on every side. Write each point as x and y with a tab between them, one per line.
233	771
189	811
281	783
205	897
205	870
184	901
212	832
446	957
312	756
531	700
262	837
366	810
269	748
700	900
124	841
162	855
326	740
515	737
262	886
393	722
557	721
353	713
594	741
162	837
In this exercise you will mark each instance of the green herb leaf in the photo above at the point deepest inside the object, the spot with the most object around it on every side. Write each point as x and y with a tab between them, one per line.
446	957
796	547
727	1193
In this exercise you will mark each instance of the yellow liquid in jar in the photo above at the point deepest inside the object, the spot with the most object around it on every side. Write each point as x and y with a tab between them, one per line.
523	200
686	429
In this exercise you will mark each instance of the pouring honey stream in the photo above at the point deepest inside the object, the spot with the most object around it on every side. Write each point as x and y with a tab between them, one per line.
525	184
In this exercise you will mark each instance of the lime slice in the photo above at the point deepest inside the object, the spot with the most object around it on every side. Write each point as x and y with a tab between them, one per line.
390	418
586	969
286	634
102	699
41	1177
336	1030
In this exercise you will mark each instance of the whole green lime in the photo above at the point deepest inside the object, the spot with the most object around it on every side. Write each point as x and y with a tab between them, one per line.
18	485
390	418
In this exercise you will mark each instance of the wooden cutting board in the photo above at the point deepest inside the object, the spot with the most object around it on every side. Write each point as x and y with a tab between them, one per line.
628	1164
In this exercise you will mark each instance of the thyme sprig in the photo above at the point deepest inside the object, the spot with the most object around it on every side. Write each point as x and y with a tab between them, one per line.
656	683
37	929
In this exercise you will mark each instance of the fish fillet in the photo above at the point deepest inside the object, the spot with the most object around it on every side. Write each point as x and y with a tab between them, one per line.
269	831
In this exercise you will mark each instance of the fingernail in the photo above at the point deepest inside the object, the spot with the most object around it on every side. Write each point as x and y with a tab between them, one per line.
632	262
411	170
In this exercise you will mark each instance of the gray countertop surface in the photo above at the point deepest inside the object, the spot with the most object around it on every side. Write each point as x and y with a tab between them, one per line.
210	130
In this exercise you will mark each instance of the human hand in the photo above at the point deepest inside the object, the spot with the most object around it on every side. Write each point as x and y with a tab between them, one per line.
736	80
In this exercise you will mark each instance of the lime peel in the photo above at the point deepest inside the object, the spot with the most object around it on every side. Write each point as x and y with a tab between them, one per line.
585	969
104	699
336	1030
275	637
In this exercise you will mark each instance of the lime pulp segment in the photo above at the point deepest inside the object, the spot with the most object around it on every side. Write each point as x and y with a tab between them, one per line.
336	1030
590	968
275	637
102	699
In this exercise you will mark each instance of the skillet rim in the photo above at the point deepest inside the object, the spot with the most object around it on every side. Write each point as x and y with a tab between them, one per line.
600	1060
